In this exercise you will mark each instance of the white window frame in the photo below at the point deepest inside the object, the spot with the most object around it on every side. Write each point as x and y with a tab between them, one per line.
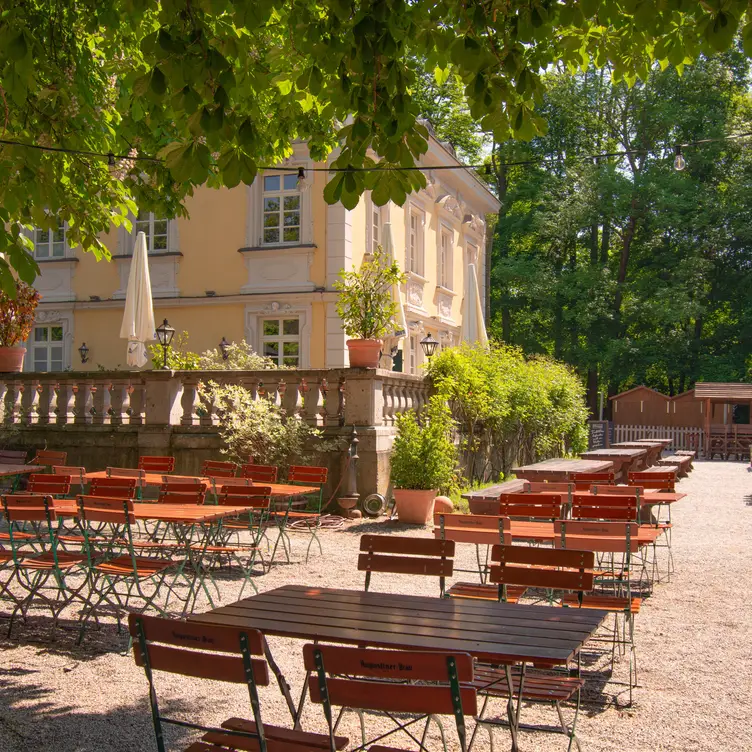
445	258
149	221
472	249
282	193
49	243
415	246
413	355
281	338
32	344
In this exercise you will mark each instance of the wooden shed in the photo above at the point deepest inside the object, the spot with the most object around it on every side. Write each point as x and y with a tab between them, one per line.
686	411
641	406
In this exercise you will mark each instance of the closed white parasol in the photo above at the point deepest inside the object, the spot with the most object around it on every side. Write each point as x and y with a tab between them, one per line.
473	325
138	318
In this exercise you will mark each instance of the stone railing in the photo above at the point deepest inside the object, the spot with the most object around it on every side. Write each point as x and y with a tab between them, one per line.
331	397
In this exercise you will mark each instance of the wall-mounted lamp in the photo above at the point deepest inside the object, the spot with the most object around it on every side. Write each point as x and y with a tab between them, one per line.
83	351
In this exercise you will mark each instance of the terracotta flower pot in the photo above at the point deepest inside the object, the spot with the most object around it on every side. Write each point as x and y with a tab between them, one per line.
11	359
364	353
414	507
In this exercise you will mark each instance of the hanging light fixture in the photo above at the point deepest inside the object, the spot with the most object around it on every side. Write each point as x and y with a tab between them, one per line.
429	345
224	346
303	183
165	333
83	351
679	162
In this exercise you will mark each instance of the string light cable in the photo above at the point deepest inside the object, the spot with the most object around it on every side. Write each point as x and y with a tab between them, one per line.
679	160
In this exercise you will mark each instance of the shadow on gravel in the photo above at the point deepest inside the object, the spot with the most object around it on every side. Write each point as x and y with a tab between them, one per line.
383	526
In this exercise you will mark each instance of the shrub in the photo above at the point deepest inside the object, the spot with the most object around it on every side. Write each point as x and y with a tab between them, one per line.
17	314
424	455
179	358
240	357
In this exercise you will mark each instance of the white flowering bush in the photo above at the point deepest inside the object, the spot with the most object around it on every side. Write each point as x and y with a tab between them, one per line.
240	357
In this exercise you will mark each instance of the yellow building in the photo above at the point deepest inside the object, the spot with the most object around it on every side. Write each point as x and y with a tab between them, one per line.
259	262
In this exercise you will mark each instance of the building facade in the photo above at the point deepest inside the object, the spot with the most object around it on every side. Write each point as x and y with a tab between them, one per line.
259	262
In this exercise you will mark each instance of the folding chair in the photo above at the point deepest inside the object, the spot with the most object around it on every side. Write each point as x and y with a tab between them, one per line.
538	487
219	653
480	530
606	537
160	465
583	481
551	570
130	472
532	506
77	474
178	495
406	555
260	473
51	485
49	458
303	475
391	682
217	469
141	578
657	481
45	571
114	487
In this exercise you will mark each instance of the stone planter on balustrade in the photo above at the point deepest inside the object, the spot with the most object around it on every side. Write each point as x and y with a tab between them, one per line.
12	359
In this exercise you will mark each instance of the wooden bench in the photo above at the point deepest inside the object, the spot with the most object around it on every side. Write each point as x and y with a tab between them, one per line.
683	462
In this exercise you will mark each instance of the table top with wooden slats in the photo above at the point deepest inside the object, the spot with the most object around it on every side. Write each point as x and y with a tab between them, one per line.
489	631
615	452
561	469
9	470
188	514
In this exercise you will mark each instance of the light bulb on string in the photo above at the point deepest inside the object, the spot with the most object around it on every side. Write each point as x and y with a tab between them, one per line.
679	162
303	183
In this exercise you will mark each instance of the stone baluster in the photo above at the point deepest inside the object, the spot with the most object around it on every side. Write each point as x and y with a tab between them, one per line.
83	402
3	395
101	402
120	401
46	401
388	392
314	410
138	403
292	401
335	402
64	406
13	402
189	402
29	402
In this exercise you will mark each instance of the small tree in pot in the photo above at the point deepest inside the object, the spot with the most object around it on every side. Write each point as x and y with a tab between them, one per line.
424	460
16	321
366	306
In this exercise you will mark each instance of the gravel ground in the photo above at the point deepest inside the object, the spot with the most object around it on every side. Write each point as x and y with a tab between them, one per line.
693	642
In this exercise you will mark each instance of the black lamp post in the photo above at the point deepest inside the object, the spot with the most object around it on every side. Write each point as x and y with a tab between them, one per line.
165	333
429	345
83	351
224	346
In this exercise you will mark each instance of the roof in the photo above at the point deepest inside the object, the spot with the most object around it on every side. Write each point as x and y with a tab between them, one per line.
721	391
641	387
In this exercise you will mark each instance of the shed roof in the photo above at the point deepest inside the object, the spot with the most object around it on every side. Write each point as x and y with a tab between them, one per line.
726	392
637	388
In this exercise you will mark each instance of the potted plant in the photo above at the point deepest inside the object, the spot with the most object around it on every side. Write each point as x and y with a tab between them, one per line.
424	458
366	306
16	320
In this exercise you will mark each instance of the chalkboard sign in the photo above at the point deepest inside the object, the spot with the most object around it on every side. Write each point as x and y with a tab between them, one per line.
599	434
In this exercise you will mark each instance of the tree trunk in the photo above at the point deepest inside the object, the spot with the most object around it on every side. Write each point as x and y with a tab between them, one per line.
592	392
624	265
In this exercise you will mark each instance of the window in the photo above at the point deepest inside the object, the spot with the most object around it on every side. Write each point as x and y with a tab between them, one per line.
445	259
49	243
281	341
414	260
375	226
47	348
156	230
412	364
281	209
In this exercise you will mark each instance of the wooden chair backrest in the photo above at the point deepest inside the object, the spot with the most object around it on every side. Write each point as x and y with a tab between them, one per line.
541	505
182	486
217	469
45	483
114	487
173	496
605	507
49	457
260	473
472	528
355	679
537	486
202	651
128	472
306	474
533	566
156	464
635	491
257	497
105	509
77	473
658	480
29	508
406	555
13	456
583	481
597	536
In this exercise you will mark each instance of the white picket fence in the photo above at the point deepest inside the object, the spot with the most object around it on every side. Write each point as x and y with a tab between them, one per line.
681	436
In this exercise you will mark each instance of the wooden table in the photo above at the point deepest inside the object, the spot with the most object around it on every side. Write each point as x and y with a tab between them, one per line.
654	449
623	460
490	631
560	470
187	514
486	500
16	471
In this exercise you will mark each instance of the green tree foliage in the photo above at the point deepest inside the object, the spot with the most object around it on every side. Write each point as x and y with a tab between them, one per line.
626	268
218	88
510	409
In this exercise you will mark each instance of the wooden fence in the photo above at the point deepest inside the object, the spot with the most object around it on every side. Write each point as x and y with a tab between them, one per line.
682	437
